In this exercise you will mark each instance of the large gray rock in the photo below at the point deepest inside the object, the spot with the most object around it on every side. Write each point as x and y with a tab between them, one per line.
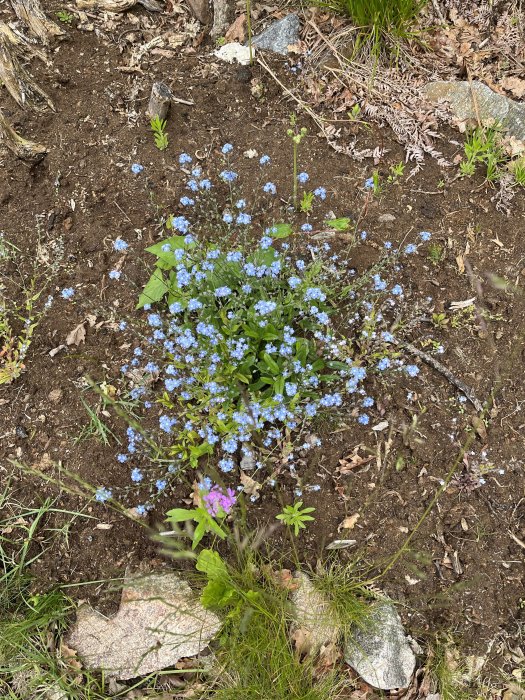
486	103
279	35
159	622
381	653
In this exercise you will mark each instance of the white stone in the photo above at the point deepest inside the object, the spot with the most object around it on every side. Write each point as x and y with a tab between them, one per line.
234	52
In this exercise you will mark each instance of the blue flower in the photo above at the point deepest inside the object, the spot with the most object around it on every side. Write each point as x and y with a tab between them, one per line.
383	364
270	188
205	184
425	235
154	320
120	245
364	235
379	284
223	292
412	370
397	290
246	288
184	158
314	293
364	419
263	160
102	494
194	304
303	177
306	228
240	203
187	201
227	217
290	388
410	248
320	192
227	148
175	307
180	223
122	458
243	218
367	402
67	293
369	183
388	245
166	423
161	484
122	325
192	185
263	308
137	168
265	242
136	475
226	464
115	274
234	256
228	176
294	282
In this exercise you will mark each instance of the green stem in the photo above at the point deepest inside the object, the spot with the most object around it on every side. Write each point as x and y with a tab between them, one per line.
295	175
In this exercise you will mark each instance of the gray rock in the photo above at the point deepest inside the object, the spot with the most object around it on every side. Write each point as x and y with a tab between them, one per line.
159	622
279	35
386	218
487	103
312	615
381	654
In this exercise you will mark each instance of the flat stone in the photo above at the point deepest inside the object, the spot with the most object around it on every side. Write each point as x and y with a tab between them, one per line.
312	614
489	105
381	653
160	621
279	35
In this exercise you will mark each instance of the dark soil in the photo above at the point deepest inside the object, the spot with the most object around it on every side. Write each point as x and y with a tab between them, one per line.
462	571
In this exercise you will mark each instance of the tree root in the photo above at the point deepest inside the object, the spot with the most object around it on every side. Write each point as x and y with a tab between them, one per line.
30	12
22	148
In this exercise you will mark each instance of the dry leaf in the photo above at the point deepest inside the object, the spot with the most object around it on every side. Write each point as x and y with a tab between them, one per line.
284	579
341	544
349	522
514	85
352	461
77	335
461	264
236	31
251	487
457	305
302	640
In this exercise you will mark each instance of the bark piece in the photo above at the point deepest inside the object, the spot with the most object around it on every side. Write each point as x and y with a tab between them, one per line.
223	13
159	101
201	9
30	12
17	80
23	149
118	5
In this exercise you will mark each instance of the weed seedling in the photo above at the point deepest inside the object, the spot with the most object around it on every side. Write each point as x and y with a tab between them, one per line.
435	253
158	126
65	16
296	516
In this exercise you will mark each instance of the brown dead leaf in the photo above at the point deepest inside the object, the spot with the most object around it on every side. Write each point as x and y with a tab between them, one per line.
352	461
77	335
251	487
514	85
349	522
302	640
479	426
235	32
461	264
72	662
285	579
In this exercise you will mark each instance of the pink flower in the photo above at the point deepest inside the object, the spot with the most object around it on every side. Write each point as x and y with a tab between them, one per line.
219	503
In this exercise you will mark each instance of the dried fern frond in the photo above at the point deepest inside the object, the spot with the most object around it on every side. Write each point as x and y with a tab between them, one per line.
117	5
22	148
30	12
17	80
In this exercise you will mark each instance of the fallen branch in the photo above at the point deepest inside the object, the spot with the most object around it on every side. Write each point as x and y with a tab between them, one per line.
458	383
22	148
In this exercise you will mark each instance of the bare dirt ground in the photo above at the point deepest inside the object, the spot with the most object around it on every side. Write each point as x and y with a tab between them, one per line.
463	569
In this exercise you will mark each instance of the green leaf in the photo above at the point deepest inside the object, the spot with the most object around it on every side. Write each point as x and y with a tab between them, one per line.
271	363
217	594
154	290
175	243
179	515
339	224
209	562
199	533
281	231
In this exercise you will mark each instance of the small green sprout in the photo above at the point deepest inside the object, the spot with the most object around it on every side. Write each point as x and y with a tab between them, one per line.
65	16
158	126
296	516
